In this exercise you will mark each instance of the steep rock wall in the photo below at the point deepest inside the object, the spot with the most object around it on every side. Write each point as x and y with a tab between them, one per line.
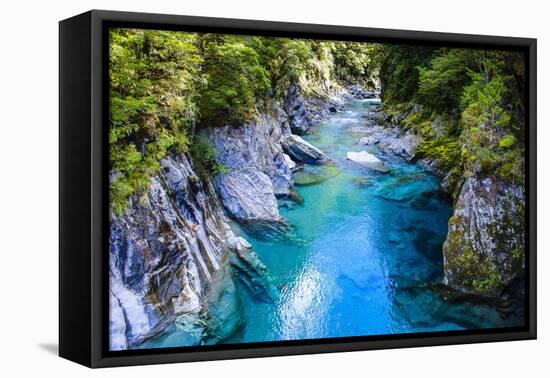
169	255
484	249
305	112
259	170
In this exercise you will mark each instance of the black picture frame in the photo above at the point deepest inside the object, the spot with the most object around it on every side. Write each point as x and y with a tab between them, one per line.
83	195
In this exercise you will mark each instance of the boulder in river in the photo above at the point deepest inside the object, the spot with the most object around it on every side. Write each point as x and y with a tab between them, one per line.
308	178
367	160
300	150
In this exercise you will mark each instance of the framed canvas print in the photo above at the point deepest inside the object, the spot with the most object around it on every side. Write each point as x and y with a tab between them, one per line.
233	188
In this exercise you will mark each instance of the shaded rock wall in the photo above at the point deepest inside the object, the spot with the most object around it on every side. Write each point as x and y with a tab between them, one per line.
305	112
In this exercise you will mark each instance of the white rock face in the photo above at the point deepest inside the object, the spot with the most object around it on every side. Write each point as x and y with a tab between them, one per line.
289	162
389	139
367	160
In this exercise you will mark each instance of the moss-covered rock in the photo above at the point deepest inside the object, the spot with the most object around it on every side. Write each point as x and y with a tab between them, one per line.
484	249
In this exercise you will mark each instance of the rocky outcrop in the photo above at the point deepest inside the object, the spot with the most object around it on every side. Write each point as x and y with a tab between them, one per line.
169	254
484	249
390	140
305	112
387	136
301	151
259	170
248	195
367	160
360	92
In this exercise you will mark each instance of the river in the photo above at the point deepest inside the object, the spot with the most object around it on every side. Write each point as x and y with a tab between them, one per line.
364	254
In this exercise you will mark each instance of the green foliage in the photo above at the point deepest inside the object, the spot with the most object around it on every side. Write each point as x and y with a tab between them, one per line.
152	96
399	71
483	101
488	121
507	141
472	270
204	158
235	81
356	63
445	149
476	94
307	64
441	83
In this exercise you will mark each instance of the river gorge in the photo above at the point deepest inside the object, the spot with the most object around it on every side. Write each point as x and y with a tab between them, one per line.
355	251
270	189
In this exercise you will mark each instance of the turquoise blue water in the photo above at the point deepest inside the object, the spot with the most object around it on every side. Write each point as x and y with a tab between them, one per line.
364	254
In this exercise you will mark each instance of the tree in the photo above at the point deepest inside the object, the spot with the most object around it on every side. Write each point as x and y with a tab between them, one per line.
235	81
153	92
399	72
488	143
356	63
442	81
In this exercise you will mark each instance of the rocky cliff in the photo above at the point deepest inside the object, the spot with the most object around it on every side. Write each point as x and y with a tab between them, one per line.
305	112
260	157
171	256
484	249
259	170
172	253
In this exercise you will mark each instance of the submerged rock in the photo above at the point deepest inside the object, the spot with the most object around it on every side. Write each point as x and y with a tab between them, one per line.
484	249
308	178
296	197
315	174
302	151
253	274
367	160
362	182
224	307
